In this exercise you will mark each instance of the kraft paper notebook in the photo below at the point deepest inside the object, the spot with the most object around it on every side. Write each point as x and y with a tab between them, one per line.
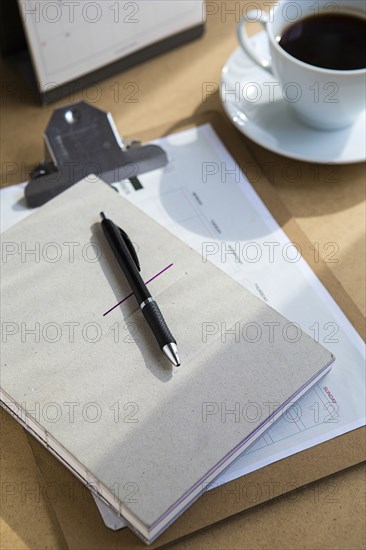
96	390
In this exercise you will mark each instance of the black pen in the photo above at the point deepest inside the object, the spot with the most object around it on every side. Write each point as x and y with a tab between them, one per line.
126	256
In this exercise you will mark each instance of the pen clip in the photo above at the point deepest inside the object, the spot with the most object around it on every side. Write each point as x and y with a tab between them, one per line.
130	247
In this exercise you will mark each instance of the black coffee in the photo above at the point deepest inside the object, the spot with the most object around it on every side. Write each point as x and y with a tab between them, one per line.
334	41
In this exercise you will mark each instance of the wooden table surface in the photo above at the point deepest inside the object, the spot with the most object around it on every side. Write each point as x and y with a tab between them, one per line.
328	203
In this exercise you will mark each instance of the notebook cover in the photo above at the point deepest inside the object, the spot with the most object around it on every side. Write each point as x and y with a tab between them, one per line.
167	429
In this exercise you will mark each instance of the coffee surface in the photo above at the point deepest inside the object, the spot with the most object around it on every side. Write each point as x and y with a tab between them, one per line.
331	41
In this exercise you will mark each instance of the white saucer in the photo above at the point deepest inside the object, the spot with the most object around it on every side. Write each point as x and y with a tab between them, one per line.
253	100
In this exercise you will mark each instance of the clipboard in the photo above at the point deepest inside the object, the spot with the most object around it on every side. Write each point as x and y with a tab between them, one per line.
74	507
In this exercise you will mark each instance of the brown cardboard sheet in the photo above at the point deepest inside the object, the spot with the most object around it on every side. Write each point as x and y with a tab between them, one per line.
72	505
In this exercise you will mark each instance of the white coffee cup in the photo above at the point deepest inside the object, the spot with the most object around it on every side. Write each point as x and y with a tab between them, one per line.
322	98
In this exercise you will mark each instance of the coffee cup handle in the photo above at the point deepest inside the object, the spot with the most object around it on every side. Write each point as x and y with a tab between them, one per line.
245	42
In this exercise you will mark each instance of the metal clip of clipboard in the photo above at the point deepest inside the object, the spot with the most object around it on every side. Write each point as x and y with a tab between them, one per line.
81	140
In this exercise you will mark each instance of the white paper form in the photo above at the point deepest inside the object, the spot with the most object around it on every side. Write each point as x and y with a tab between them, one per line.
204	198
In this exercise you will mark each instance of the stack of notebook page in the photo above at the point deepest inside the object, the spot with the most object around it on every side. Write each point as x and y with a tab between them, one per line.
96	390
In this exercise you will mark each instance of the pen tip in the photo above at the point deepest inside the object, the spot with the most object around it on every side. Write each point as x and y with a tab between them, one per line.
103	216
171	353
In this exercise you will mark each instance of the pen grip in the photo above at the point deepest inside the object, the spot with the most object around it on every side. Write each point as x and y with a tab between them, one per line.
157	324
